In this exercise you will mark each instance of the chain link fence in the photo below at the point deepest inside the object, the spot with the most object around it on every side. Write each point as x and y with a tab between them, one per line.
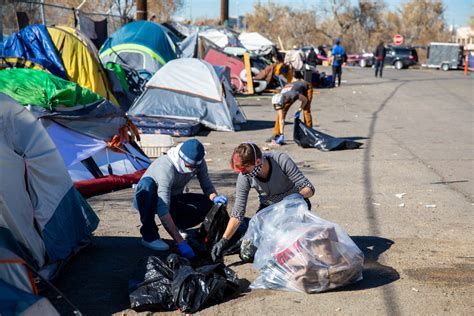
14	14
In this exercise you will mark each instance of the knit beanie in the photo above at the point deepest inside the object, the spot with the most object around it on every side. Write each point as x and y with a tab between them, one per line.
192	152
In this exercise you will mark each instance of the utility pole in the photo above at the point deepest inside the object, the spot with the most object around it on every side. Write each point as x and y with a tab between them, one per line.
141	10
224	12
43	17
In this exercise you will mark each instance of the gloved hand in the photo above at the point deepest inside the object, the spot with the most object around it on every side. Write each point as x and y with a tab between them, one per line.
280	140
217	249
186	250
220	199
297	114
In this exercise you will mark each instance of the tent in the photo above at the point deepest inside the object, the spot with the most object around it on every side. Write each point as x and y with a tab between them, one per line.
34	43
90	133
81	61
141	45
43	218
64	52
192	89
254	41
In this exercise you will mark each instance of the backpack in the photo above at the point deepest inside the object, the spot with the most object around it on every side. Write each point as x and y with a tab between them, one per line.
213	227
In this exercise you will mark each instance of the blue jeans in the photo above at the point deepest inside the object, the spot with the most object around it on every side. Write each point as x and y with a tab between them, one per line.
187	210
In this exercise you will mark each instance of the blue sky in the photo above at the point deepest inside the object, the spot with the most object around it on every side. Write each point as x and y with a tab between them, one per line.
457	11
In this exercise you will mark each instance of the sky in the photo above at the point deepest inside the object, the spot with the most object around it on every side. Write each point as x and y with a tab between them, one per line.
457	11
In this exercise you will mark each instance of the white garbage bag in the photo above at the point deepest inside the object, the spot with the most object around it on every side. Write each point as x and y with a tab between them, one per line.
298	251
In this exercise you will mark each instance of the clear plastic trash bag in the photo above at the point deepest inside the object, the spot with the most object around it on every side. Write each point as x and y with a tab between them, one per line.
298	251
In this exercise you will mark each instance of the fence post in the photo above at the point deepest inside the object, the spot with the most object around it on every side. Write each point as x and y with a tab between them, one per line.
248	73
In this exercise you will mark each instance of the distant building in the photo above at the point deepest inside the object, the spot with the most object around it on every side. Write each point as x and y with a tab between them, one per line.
465	36
237	22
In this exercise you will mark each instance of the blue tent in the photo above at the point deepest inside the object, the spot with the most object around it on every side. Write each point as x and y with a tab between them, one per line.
141	45
34	43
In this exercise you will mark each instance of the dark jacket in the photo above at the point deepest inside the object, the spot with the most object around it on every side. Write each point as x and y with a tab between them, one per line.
379	53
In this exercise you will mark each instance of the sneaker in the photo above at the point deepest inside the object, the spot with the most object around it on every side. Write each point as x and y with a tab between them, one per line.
183	234
280	140
158	245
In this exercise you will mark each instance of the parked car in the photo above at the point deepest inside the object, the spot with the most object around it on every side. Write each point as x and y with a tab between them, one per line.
361	59
401	57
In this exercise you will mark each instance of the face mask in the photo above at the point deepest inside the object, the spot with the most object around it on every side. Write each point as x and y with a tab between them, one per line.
182	167
254	172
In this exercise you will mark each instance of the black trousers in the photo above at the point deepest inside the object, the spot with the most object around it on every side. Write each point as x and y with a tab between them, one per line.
336	72
379	67
187	210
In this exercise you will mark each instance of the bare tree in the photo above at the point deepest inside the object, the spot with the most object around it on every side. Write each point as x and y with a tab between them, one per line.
163	10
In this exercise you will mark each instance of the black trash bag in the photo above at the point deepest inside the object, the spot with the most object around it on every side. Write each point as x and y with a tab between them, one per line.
175	284
310	138
150	287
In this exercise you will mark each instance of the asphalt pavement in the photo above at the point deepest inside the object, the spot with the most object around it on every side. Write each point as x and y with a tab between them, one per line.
405	197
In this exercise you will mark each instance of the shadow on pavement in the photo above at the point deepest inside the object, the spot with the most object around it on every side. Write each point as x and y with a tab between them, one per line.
375	274
96	279
254	125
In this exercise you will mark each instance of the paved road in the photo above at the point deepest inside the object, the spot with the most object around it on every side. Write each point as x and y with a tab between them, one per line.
417	131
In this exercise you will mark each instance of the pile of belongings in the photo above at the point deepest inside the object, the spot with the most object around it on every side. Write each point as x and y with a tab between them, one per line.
298	251
159	285
307	137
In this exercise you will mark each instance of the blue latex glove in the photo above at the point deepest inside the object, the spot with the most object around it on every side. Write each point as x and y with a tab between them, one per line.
186	250
297	114
220	199
280	140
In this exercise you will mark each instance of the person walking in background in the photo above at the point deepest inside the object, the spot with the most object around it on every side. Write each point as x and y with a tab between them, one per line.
338	55
379	56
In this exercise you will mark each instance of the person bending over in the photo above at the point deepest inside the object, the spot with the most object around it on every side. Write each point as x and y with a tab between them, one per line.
274	175
160	191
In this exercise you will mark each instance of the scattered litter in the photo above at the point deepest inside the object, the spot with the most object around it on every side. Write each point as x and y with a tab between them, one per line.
415	290
208	160
400	195
207	144
354	92
296	301
430	205
401	205
377	204
338	309
265	148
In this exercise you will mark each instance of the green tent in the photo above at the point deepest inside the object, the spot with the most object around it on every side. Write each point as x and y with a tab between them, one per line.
36	87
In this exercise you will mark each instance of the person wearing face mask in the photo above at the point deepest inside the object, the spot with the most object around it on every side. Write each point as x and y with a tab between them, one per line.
273	175
160	191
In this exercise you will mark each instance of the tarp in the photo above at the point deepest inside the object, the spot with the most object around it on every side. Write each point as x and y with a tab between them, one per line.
31	86
34	43
255	41
79	122
80	60
139	45
221	37
190	89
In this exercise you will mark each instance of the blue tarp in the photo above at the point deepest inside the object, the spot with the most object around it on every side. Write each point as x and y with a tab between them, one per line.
34	43
144	33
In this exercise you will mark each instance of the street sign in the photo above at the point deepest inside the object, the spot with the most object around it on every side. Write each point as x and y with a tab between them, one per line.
398	39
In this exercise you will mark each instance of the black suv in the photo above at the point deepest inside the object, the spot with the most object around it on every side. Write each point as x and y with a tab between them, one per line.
401	57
